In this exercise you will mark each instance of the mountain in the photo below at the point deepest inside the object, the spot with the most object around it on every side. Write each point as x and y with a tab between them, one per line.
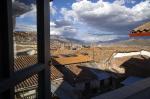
138	42
112	41
30	38
25	37
65	40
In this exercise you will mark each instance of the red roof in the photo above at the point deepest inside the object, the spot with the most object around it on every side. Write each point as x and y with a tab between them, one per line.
142	30
139	34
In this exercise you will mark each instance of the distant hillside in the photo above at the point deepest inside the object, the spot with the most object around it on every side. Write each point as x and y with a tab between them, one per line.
30	38
126	42
60	42
138	42
22	37
64	39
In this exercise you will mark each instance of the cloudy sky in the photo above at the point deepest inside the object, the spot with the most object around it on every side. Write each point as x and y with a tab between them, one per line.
90	20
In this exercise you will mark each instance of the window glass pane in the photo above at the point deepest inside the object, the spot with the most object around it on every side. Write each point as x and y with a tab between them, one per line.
25	33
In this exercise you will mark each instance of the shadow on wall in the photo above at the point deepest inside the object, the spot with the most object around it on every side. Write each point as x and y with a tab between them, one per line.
137	67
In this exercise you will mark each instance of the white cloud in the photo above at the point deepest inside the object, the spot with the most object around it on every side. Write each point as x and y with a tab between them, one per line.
119	2
22	27
69	15
60	23
62	27
52	24
133	2
52	8
101	38
105	16
66	31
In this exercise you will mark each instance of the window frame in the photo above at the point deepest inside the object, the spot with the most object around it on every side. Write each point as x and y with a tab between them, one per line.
9	78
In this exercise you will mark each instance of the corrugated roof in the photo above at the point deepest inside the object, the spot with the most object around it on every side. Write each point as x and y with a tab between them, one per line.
73	59
23	62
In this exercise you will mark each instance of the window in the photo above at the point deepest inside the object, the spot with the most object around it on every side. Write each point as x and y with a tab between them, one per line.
8	78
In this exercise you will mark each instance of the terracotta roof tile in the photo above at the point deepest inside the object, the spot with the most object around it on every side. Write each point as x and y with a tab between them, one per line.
143	27
142	30
73	59
24	62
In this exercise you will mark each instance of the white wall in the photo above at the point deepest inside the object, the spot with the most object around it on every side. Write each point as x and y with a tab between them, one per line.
146	53
118	55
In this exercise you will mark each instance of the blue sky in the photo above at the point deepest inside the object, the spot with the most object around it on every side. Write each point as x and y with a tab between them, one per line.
90	20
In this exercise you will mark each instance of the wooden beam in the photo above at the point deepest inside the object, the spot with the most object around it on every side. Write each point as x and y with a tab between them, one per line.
6	45
19	76
43	39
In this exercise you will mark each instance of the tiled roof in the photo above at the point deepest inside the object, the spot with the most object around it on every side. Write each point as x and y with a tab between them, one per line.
72	59
143	27
143	30
23	62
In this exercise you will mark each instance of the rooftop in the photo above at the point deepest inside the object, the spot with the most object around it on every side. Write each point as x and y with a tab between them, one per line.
142	30
143	27
71	59
79	73
24	61
138	90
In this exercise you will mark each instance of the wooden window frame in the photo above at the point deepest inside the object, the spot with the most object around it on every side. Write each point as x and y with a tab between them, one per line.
8	78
